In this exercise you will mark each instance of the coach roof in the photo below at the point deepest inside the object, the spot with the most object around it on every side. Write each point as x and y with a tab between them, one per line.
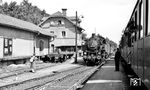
23	25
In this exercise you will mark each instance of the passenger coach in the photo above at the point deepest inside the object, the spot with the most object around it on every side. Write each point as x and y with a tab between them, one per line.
135	41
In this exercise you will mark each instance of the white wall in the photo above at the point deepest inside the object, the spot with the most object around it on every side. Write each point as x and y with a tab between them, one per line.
39	53
22	47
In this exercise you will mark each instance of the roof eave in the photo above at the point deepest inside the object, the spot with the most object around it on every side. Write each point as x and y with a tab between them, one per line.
19	28
37	32
47	35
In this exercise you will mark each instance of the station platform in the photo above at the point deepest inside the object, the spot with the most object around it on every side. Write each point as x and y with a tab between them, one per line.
106	78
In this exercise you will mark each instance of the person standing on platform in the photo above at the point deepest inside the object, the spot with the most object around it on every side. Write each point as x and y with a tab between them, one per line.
117	59
32	59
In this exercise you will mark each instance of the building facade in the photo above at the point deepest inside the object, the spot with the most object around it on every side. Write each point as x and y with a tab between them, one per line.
110	47
64	28
20	39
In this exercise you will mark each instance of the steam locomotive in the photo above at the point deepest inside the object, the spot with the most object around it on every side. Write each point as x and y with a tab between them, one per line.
92	50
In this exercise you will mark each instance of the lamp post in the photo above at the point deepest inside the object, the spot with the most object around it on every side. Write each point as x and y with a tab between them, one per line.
76	47
76	40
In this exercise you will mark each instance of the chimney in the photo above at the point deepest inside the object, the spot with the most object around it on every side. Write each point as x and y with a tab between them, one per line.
64	11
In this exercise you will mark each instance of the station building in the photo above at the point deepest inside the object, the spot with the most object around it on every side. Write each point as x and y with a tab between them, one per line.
63	27
19	40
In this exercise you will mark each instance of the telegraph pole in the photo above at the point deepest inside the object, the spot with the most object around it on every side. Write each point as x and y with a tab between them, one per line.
76	39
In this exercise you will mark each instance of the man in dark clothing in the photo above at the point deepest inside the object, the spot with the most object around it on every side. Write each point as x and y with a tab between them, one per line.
117	57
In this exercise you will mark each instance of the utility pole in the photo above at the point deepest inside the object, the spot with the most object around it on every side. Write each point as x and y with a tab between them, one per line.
76	39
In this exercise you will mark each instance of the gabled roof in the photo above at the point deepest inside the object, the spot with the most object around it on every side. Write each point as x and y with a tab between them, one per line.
72	17
59	14
20	24
44	18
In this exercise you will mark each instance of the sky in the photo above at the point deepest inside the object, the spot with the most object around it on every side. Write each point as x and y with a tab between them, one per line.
105	17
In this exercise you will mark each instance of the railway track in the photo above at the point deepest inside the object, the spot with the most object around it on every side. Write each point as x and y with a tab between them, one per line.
55	81
24	70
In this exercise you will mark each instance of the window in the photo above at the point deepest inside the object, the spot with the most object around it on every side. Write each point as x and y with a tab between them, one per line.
7	46
56	23
141	21
59	22
141	34
147	17
135	37
136	19
63	33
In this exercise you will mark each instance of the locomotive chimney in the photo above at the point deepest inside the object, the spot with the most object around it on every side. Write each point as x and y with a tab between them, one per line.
93	34
64	11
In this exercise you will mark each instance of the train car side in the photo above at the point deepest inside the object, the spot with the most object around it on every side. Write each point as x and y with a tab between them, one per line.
135	42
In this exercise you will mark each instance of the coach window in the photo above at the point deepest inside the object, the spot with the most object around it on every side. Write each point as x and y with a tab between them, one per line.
147	16
141	21
7	46
136	23
136	19
132	38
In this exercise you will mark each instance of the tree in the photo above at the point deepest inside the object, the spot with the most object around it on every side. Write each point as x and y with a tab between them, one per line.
25	11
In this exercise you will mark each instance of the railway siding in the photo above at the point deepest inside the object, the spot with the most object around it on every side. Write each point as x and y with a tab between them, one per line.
13	71
24	79
72	82
64	77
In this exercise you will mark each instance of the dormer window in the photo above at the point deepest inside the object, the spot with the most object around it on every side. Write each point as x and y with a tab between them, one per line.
59	22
